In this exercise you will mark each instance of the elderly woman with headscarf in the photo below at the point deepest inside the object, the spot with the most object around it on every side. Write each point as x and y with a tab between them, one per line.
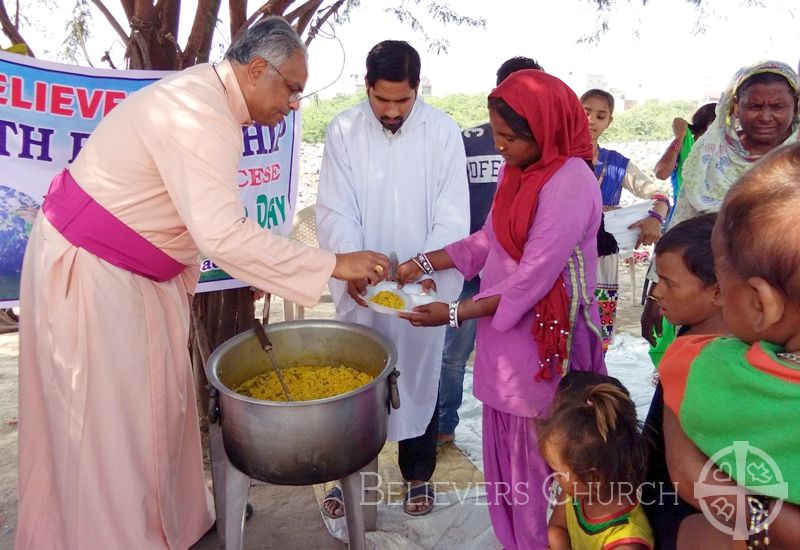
537	253
757	112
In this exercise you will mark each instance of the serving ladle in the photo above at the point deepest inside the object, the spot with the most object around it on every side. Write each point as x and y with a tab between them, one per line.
266	345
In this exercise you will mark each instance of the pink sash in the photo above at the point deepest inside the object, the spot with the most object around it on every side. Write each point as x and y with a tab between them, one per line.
86	224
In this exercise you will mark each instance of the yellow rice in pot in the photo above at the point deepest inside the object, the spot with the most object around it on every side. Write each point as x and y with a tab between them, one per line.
305	383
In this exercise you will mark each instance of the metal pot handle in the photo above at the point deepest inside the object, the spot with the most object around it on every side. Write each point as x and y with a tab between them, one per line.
213	405
394	393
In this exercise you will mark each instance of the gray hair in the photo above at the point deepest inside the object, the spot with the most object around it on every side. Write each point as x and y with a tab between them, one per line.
271	38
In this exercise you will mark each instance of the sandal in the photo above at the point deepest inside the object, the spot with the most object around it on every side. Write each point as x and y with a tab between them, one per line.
334	495
417	493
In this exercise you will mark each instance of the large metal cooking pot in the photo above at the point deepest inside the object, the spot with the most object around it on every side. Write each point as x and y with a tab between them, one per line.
304	442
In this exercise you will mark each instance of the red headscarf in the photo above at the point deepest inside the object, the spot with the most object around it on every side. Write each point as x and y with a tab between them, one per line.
559	125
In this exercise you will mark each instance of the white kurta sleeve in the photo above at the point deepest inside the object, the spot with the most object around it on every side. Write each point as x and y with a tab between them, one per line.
451	211
338	215
339	226
198	166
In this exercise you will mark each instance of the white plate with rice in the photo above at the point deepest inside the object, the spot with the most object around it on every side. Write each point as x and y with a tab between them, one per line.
409	297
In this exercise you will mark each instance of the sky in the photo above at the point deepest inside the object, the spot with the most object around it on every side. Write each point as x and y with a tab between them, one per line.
650	52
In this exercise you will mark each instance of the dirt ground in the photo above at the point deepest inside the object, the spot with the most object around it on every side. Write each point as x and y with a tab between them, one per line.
281	513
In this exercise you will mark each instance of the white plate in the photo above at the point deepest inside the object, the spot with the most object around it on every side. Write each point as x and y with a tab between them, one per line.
411	295
617	222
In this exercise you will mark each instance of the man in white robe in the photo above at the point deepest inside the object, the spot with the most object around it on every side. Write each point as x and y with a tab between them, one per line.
393	180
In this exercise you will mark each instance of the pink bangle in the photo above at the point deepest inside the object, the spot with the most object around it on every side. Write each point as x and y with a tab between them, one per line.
676	146
661	198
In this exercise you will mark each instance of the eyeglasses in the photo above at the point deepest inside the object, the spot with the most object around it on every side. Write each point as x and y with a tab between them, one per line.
295	96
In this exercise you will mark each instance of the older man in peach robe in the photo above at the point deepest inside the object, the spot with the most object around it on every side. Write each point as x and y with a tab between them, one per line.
109	444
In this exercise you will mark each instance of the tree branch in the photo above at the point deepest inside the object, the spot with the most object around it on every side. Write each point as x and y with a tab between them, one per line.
204	52
143	11
237	10
128	7
107	58
141	21
174	41
304	20
203	25
273	7
82	41
312	32
303	14
10	30
302	9
168	16
112	20
144	51
169	13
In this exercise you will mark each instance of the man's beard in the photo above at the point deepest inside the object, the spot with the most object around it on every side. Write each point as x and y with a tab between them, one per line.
392	124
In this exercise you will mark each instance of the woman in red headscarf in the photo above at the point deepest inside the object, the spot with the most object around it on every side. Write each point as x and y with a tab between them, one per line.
537	253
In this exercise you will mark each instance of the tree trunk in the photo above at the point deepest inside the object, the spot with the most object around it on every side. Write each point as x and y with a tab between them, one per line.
216	317
149	47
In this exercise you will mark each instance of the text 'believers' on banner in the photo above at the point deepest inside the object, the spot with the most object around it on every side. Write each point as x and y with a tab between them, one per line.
47	112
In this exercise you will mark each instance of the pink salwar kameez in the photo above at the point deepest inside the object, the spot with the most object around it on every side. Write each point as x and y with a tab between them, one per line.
561	243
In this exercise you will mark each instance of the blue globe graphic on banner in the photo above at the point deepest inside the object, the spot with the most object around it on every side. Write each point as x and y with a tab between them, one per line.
17	212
